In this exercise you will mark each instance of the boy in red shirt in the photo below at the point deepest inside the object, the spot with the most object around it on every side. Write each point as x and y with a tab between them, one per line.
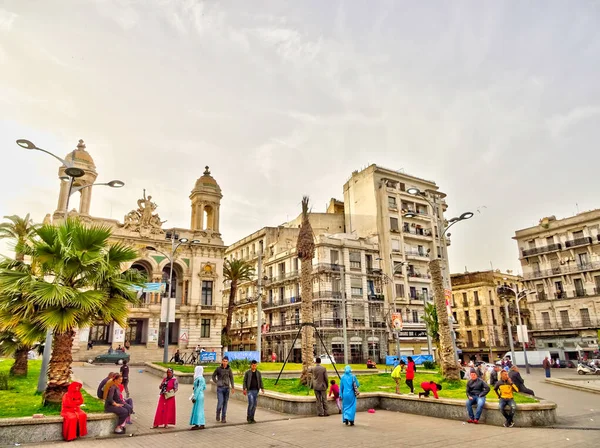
428	387
335	391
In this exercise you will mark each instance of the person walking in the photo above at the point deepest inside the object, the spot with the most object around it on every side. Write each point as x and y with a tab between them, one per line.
505	390
319	384
197	418
397	375
518	381
410	374
223	378
547	364
349	392
477	389
252	384
125	374
115	405
334	390
166	409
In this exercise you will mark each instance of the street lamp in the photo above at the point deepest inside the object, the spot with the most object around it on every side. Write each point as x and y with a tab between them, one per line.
440	225
72	172
174	247
518	296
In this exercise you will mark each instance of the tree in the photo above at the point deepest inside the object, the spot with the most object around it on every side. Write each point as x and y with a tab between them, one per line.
431	321
305	248
449	366
236	272
21	230
78	281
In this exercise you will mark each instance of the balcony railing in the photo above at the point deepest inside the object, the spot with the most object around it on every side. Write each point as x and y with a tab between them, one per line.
376	297
418	275
589	322
281	302
416	253
558	270
417	231
541	250
327	267
579	242
337	295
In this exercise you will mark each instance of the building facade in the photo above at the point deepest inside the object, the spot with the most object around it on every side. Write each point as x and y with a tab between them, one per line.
482	333
377	205
561	267
197	269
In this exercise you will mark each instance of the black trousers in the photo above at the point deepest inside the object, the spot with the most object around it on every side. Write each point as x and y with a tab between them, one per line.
409	383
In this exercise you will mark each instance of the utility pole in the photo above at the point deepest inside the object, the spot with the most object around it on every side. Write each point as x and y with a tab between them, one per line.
344	324
509	329
259	307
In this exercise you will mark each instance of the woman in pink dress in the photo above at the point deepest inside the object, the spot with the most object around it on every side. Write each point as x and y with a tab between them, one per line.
165	412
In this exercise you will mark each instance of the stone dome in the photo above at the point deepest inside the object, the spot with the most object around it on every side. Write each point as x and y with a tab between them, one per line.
81	158
207	182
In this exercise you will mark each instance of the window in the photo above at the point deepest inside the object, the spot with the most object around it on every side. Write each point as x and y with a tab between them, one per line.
205	328
356	285
425	293
467	318
493	317
392	202
413	292
549	240
355	260
99	333
585	316
481	336
369	261
281	269
415	316
579	289
564	318
402	187
577	235
282	318
334	255
395	245
491	296
295	264
394	225
281	293
476	297
546	320
399	290
469	338
270	297
465	300
297	317
207	292
371	287
478	317
397	268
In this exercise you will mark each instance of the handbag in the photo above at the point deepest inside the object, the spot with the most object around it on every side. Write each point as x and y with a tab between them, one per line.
355	387
169	394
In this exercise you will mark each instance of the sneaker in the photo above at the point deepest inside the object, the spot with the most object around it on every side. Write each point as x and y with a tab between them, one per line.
119	430
470	420
511	424
476	421
505	424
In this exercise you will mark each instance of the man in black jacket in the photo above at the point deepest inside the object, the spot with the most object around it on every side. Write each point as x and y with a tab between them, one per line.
518	381
494	375
223	378
477	389
252	384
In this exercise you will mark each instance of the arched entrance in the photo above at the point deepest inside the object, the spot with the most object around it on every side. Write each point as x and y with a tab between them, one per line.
144	269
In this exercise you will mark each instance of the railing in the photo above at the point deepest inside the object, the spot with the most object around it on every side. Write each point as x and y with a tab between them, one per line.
419	296
541	250
376	297
579	242
373	271
418	275
541	296
327	295
418	232
327	267
416	253
284	327
281	302
281	277
208	307
557	270
570	324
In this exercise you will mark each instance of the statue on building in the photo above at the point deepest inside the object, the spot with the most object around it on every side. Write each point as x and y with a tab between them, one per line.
146	210
143	219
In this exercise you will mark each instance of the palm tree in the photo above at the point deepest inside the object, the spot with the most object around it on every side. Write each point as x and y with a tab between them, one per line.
236	272
21	230
305	248
450	369
78	281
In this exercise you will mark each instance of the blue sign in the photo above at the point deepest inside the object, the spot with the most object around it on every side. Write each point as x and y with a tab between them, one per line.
250	356
150	287
208	356
391	360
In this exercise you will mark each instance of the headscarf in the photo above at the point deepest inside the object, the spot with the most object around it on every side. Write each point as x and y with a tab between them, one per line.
198	371
348	370
73	396
165	383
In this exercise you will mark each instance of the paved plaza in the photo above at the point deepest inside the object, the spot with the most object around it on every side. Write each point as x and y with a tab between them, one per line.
577	410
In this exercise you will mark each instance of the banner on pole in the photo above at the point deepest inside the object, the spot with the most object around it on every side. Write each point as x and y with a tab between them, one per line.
397	321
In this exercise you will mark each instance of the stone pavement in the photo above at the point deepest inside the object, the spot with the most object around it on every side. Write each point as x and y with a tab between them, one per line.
381	428
143	388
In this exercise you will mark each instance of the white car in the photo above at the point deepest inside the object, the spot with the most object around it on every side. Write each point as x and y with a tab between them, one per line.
326	359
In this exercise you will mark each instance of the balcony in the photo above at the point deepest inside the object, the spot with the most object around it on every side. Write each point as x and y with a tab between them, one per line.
541	250
327	267
373	271
281	302
329	323
283	328
335	295
376	297
418	233
418	254
579	242
559	270
417	276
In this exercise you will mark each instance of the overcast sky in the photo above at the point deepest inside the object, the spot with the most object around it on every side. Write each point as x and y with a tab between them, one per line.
498	102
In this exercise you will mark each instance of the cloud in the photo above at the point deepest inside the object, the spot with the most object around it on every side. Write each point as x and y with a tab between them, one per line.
7	19
562	123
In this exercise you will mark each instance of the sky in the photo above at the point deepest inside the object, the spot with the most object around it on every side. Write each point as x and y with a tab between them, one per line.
498	102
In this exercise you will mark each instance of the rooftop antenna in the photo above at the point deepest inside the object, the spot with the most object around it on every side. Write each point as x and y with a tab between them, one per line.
577	206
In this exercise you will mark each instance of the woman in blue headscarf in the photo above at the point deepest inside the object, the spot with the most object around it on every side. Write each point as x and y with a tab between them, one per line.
348	392
197	418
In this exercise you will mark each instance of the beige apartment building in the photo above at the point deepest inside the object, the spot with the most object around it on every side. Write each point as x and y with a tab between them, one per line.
343	264
376	202
482	333
197	274
561	267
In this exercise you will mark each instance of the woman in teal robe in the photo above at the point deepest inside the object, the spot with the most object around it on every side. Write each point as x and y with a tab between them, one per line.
348	396
197	418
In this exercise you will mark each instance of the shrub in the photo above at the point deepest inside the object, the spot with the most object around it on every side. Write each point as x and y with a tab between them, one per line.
429	365
4	381
240	365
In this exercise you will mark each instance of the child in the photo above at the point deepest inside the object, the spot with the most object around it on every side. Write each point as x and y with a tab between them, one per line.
428	387
397	375
335	390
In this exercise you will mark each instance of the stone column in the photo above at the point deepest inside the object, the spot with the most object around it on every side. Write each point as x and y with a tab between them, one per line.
216	218
201	216
85	201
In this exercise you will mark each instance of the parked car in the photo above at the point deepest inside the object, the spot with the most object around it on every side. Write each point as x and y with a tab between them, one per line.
116	357
326	359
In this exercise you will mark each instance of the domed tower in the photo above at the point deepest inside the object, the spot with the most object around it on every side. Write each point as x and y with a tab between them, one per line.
206	202
79	158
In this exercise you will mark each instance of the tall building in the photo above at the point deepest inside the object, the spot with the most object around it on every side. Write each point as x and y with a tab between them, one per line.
377	204
561	267
197	274
480	311
344	269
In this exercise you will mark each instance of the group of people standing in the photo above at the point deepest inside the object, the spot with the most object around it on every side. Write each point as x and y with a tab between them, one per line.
345	394
112	389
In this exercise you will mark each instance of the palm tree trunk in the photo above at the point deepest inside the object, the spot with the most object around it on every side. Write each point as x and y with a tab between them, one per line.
19	368
448	364
59	368
230	308
307	316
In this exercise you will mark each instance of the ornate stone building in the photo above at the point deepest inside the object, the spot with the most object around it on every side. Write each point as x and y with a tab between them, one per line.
197	268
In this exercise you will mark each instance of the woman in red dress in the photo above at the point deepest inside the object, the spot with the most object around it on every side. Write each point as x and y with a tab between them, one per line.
74	419
165	412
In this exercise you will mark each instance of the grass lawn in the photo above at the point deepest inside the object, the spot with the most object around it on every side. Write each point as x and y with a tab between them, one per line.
384	383
21	400
264	367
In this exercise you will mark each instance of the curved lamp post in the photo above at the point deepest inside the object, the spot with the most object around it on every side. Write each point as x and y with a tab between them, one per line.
72	172
445	278
174	247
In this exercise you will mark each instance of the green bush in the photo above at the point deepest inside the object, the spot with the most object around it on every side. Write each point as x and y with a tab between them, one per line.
429	365
240	365
4	381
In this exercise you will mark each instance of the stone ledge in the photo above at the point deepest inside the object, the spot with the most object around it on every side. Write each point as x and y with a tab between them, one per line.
572	384
49	429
